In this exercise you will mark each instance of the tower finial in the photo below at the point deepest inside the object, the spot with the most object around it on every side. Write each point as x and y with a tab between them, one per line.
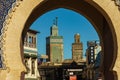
56	21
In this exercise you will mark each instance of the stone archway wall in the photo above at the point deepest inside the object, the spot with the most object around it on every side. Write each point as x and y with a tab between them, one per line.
16	24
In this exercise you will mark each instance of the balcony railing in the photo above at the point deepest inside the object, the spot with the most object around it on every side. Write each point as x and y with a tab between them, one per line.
31	45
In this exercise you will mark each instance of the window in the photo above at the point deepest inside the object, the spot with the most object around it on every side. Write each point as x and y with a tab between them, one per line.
33	67
91	50
26	63
91	47
34	41
92	57
91	54
91	60
30	39
78	40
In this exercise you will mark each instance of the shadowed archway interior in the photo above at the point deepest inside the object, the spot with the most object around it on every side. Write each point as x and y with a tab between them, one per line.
96	16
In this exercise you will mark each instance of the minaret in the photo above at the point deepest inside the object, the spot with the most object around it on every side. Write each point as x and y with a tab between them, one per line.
54	45
77	48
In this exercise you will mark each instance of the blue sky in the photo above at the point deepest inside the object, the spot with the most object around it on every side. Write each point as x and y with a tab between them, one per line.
69	23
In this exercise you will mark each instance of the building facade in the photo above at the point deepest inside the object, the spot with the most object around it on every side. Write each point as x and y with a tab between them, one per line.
77	48
64	71
30	55
54	45
93	53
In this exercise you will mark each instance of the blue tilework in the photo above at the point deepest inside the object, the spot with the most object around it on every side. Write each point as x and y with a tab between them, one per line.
5	5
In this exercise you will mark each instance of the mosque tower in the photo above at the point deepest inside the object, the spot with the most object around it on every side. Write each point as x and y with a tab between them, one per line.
77	48
54	45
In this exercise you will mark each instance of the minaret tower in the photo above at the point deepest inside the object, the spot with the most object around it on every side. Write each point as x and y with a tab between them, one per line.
77	48
54	45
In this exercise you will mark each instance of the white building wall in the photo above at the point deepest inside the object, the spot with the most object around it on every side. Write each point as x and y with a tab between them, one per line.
30	51
97	50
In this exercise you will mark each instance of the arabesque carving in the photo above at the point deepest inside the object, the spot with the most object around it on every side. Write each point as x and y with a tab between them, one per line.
4	29
117	2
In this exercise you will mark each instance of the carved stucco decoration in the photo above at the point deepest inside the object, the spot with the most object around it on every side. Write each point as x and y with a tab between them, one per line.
7	8
117	3
5	5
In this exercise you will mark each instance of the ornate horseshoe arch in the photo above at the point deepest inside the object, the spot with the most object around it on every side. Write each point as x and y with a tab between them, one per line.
106	27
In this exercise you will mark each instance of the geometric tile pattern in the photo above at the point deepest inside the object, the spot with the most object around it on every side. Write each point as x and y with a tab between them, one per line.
5	5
